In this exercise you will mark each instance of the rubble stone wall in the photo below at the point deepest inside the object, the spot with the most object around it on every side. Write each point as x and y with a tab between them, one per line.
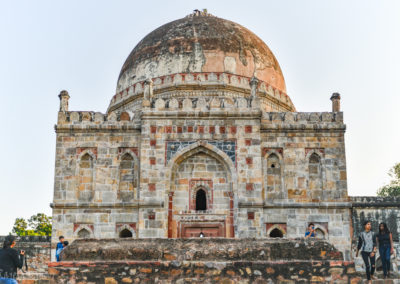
202	260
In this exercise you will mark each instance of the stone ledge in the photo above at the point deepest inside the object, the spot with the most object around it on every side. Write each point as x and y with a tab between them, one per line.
140	204
126	127
320	205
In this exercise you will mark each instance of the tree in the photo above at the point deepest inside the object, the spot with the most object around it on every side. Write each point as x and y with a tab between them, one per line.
393	188
39	225
20	227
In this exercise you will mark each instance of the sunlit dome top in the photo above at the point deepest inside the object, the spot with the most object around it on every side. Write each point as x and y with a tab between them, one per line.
202	43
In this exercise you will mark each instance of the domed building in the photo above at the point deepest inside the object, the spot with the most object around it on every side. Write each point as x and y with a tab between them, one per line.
201	139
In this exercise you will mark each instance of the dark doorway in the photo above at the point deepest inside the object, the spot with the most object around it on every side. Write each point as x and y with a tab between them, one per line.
201	200
125	233
276	233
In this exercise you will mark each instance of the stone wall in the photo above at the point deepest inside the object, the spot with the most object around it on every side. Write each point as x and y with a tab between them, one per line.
37	251
202	261
92	156
377	210
275	171
304	169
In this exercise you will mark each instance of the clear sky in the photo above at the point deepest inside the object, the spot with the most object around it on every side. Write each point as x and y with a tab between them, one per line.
351	47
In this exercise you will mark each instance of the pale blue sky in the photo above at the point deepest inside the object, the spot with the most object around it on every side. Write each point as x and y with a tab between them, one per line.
351	47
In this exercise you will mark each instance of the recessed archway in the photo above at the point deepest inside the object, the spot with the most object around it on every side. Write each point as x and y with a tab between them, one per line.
83	234
276	233
193	172
125	233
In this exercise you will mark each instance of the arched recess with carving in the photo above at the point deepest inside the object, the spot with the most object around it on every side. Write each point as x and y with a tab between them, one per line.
273	175
321	232
86	175
201	166
276	231
125	231
84	231
316	174
128	176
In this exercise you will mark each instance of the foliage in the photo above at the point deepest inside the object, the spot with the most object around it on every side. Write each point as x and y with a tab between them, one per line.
20	226
37	225
393	188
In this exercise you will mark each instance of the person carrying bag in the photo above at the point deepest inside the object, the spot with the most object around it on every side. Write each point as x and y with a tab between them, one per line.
367	245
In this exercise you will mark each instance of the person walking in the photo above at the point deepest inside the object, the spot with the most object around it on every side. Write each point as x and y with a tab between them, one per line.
367	245
385	243
10	261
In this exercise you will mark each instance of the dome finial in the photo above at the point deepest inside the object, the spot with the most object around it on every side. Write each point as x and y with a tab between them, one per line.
197	13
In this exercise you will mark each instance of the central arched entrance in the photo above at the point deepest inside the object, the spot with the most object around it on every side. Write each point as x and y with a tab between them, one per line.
201	194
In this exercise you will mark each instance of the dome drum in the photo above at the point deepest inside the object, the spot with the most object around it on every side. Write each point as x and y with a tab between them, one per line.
205	84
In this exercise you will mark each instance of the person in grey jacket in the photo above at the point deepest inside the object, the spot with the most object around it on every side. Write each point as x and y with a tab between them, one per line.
367	245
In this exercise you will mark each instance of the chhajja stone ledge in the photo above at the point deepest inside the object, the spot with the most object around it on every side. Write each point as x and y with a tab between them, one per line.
321	205
136	204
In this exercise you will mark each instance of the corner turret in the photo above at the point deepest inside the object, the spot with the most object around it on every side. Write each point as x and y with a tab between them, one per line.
64	97
335	98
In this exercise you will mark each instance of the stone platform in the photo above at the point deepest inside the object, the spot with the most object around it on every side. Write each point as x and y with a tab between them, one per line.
203	260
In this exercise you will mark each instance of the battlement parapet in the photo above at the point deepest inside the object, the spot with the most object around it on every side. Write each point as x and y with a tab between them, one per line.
302	121
90	117
302	117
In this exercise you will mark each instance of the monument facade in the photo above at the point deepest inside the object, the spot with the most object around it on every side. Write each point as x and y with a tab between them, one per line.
201	137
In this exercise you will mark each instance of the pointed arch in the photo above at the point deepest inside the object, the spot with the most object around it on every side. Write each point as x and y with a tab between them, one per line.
86	175
201	147
315	176
273	175
84	231
197	157
83	234
320	231
127	176
86	152
276	233
126	230
276	230
201	200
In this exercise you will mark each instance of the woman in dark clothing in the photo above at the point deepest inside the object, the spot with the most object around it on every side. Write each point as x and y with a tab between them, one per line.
385	242
10	260
367	245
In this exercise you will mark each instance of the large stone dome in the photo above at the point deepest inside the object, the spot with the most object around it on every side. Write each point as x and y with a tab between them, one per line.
202	44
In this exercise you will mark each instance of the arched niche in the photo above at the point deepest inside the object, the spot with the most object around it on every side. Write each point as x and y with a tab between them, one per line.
125	233
200	166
